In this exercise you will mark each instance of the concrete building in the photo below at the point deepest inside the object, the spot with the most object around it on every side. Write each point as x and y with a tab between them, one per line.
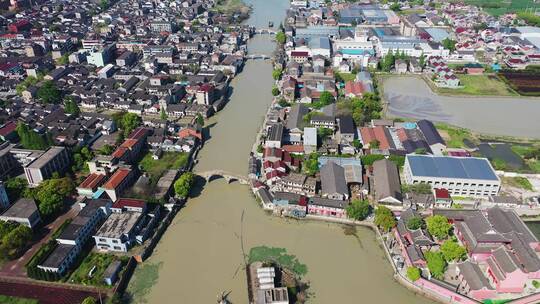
461	176
24	212
118	182
101	56
118	232
55	159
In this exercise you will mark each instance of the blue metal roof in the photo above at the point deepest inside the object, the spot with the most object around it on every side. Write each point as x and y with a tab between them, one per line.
451	167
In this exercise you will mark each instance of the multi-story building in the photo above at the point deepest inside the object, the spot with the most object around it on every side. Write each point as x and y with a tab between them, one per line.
119	231
118	182
298	183
461	176
75	235
55	159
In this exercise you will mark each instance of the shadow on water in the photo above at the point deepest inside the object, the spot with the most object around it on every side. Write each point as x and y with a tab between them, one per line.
198	187
352	231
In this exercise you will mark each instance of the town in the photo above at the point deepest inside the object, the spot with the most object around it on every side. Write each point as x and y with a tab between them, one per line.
105	107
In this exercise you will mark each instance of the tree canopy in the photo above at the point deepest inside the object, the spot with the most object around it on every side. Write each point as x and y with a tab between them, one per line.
276	73
14	239
436	263
413	273
438	226
48	92
281	38
71	107
415	222
449	44
418	188
358	209
80	157
310	166
183	185
50	194
452	251
384	218
31	139
89	300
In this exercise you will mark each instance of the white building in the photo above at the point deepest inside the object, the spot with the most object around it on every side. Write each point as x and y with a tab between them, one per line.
461	176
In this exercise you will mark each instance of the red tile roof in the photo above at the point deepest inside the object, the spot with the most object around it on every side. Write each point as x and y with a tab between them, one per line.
117	178
92	181
129	202
8	128
119	153
442	194
138	133
299	54
353	87
376	133
293	148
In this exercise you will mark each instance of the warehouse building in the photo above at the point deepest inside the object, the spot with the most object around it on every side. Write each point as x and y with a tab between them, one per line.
461	176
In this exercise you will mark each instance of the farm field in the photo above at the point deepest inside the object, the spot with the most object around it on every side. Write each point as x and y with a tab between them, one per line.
524	82
479	85
499	7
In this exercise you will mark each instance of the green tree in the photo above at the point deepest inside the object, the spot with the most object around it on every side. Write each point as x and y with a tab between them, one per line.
275	91
422	60
51	193
71	107
29	139
80	157
104	4
15	187
452	251
89	300
374	144
436	264
325	99
27	82
438	226
163	114
395	7
418	188
48	92
199	119
449	44
283	103
183	185
310	166
358	210
384	218
15	241
324	133
106	150
387	61
413	273
415	222
357	144
281	38
276	73
130	121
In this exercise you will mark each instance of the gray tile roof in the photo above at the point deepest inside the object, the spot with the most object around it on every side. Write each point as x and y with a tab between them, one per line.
333	179
386	180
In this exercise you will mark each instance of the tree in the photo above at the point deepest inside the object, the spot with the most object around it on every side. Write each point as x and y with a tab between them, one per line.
387	61
357	144
281	38
418	188
436	263
358	210
89	300
104	4
183	185
80	157
325	99
422	60
106	150
384	218
413	273
48	92
51	193
71	107
438	226
374	144
15	187
449	44
415	222
15	238
199	119
452	251
130	121
310	166
163	114
395	7
276	73
324	133
283	103
275	91
30	139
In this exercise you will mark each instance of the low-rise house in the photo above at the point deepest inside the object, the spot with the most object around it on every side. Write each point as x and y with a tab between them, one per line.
121	179
298	183
327	207
24	211
472	281
333	182
91	184
386	183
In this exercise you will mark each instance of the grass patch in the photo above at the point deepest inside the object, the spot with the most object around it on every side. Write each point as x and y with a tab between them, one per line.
347	76
101	261
144	278
518	182
231	6
480	85
279	256
169	160
522	151
454	136
16	300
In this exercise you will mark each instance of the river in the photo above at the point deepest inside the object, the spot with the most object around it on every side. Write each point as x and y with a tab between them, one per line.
201	255
411	97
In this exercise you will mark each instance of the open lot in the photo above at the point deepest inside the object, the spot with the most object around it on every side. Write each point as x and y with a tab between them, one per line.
480	85
98	260
169	160
524	82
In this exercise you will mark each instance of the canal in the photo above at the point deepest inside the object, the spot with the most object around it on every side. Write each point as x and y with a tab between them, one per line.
411	97
200	256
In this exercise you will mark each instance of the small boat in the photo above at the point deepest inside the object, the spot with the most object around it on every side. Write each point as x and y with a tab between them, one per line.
270	24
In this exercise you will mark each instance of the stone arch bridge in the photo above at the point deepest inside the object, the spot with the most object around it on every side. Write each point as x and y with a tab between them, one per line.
228	176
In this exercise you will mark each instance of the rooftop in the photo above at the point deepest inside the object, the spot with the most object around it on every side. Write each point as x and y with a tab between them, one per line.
451	167
23	208
118	224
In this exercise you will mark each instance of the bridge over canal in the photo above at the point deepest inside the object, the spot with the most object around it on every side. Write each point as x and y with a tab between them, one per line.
229	177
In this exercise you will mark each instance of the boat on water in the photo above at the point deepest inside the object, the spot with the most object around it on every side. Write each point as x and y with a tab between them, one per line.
270	24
